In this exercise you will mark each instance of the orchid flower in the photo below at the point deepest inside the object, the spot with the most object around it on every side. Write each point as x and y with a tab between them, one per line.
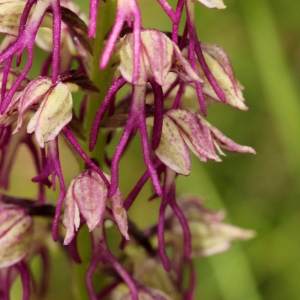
183	129
210	235
87	195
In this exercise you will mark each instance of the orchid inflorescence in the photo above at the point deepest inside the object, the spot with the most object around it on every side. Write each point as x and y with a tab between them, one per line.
173	79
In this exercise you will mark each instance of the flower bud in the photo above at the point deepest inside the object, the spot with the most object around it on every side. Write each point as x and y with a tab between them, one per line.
219	4
15	235
121	292
219	64
87	195
209	234
183	128
150	274
10	16
53	114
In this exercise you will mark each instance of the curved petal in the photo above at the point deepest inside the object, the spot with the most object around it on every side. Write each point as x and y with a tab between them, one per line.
172	149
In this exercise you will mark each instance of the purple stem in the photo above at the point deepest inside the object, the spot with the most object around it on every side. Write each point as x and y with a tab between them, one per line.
123	274
191	54
206	70
46	65
22	24
46	271
89	273
82	109
25	278
110	44
136	44
189	295
74	250
135	191
93	18
184	37
158	114
185	227
5	76
101	253
179	94
56	169
6	164
136	120
25	15
168	9
56	39
4	284
118	153
106	291
26	40
171	88
5	102
161	231
168	198
32	148
119	83
69	135
141	118
176	22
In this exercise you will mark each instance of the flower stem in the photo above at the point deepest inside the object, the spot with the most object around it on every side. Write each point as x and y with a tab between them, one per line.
103	80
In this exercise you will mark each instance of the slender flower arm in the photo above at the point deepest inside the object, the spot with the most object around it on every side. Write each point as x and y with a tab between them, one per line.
126	9
135	121
168	9
101	252
102	109
89	162
52	167
93	17
26	40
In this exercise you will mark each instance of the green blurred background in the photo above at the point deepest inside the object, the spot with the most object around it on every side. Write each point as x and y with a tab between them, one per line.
262	38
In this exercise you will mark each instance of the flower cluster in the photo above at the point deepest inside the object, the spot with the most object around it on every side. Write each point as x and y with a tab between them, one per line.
172	80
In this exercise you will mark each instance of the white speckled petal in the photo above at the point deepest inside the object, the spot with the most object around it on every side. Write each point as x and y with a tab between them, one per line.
71	220
119	213
226	143
172	149
195	133
90	193
54	113
219	4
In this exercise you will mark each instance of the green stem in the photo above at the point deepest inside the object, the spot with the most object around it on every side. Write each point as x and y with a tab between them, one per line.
102	79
